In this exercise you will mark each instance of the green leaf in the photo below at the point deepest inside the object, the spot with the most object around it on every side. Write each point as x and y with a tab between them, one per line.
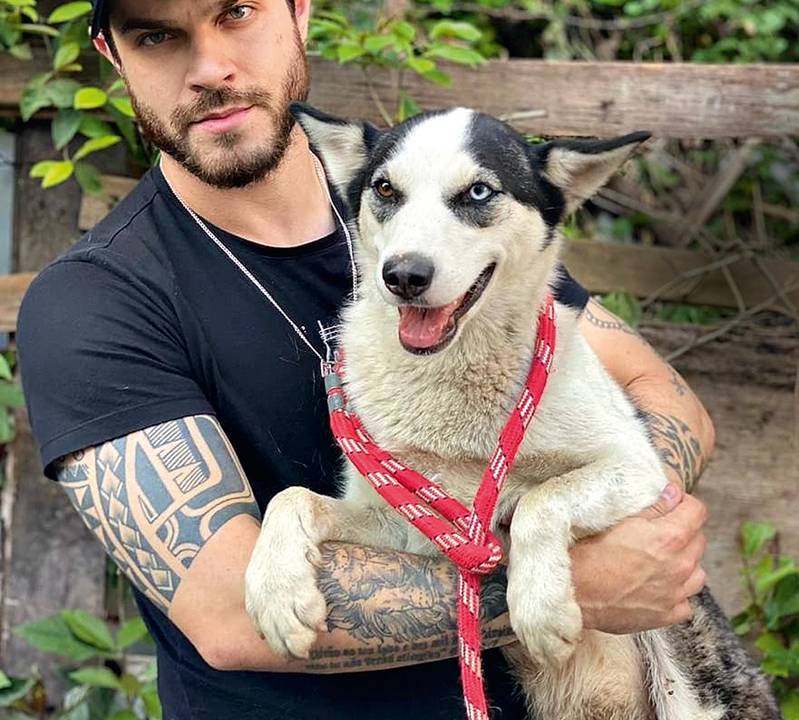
59	172
69	11
66	54
5	374
4	681
453	29
21	51
790	706
65	127
7	433
79	712
124	106
92	127
53	635
40	168
152	704
33	99
404	30
421	65
754	536
407	108
88	177
38	29
349	51
62	91
375	43
625	305
131	632
100	677
784	602
89	628
785	567
89	98
453	53
438	77
96	144
11	395
15	691
131	685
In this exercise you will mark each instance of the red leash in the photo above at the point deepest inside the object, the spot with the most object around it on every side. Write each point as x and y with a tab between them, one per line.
462	535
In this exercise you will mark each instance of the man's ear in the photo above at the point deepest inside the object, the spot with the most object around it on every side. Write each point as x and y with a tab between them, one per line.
580	167
342	145
102	47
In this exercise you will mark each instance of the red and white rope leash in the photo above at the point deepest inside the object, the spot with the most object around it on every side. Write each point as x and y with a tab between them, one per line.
461	534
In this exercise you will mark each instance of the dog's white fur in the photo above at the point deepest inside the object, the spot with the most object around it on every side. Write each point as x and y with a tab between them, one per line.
585	463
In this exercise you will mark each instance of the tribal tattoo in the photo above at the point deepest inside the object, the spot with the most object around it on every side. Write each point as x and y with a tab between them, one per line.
679	448
155	497
407	603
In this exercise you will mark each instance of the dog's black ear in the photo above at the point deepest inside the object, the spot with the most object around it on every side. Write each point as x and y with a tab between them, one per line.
342	145
580	167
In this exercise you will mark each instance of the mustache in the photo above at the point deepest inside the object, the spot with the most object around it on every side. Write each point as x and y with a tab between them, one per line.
211	100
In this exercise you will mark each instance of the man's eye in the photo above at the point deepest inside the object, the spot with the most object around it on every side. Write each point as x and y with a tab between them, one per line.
153	38
240	12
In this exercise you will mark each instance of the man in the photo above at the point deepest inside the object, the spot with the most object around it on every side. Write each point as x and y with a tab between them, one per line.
172	399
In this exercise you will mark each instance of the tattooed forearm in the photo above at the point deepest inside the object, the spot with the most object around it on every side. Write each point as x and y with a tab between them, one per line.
404	610
608	324
155	497
679	448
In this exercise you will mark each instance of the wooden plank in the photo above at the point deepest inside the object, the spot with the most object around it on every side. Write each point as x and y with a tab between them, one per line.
12	288
681	100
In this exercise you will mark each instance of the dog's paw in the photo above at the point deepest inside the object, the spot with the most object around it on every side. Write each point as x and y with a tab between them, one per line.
284	603
281	593
548	631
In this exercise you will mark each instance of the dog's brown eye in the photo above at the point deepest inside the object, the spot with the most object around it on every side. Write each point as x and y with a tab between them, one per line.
384	189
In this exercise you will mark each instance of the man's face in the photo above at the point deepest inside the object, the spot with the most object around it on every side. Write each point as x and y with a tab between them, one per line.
211	81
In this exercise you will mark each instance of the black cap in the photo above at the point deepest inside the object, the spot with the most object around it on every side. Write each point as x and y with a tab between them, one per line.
100	10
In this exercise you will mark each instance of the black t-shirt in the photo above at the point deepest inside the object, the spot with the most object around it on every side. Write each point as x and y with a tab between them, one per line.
144	321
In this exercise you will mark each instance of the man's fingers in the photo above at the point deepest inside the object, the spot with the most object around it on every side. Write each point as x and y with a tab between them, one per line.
690	516
669	499
695	583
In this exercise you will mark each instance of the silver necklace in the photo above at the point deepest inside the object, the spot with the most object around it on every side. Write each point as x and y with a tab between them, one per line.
325	333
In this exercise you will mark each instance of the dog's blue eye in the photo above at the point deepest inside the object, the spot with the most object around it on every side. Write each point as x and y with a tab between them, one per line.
480	192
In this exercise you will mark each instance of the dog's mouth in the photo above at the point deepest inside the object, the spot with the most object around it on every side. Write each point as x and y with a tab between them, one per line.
426	330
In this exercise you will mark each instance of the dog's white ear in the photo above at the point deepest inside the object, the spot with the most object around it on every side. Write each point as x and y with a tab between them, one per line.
580	167
342	145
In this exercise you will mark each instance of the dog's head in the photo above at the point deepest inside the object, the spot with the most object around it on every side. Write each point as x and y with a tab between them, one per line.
448	201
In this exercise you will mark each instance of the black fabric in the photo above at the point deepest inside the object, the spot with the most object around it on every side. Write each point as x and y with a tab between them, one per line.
143	321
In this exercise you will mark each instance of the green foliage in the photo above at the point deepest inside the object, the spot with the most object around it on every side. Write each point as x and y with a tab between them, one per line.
100	689
772	617
100	112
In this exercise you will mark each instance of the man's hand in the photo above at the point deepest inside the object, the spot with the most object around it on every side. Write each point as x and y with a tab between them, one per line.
639	575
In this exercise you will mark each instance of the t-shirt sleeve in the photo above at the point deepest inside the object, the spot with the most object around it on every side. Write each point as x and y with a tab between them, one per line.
568	291
100	356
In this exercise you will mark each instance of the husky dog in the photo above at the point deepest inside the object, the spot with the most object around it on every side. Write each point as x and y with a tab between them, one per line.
456	233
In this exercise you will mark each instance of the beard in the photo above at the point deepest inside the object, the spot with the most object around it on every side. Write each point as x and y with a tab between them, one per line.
229	166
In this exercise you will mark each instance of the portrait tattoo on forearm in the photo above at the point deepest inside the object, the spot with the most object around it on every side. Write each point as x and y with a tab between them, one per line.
408	603
155	497
679	448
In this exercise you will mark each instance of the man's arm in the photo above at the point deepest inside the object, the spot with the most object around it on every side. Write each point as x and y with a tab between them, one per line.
173	508
680	426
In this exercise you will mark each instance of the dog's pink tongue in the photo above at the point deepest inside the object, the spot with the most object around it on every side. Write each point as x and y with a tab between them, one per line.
423	328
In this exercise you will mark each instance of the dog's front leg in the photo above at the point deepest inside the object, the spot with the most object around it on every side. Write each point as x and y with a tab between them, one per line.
281	593
543	611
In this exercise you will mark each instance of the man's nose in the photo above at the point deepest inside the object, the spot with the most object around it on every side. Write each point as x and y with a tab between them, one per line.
211	64
408	276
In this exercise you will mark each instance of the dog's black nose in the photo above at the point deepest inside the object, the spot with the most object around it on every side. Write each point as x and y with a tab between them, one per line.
408	276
